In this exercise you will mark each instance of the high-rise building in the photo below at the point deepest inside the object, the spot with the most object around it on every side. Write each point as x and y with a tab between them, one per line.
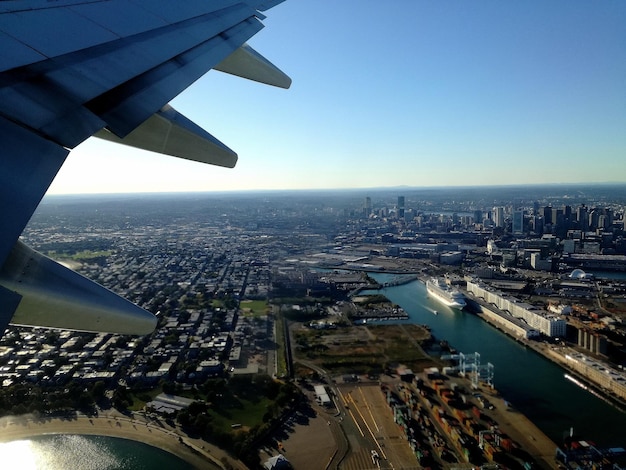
559	225
594	215
498	216
583	218
367	207
567	212
557	216
603	221
608	212
400	207
547	215
518	221
478	217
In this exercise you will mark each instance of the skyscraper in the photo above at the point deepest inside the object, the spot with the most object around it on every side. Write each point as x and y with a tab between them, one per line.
518	221
594	215
583	218
547	215
367	207
400	207
498	216
478	216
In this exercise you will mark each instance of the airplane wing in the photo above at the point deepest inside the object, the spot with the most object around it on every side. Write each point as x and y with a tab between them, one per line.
70	69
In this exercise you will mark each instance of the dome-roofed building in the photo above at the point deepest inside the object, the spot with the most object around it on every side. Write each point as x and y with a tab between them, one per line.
580	274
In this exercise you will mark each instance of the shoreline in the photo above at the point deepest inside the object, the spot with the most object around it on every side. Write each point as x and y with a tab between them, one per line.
545	351
196	452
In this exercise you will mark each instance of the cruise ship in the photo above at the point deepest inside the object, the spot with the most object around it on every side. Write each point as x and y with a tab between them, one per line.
445	294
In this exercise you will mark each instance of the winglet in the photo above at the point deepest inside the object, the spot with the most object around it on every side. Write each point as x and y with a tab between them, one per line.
170	133
247	63
54	296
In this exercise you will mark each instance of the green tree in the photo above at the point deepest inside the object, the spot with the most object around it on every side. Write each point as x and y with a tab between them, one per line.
98	390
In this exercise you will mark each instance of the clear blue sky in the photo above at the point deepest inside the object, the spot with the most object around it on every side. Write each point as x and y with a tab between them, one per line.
410	92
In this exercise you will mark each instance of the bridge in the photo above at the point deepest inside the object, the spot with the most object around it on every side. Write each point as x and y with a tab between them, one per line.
399	280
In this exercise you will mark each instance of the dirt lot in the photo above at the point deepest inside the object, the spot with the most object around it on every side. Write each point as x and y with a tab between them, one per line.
362	349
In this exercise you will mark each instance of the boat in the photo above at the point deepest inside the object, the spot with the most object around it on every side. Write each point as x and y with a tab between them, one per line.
444	293
435	312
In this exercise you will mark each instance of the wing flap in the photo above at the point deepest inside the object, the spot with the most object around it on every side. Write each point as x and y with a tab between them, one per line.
127	106
56	297
170	133
71	86
247	63
70	68
42	27
111	66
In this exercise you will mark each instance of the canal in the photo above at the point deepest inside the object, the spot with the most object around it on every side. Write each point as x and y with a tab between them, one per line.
533	384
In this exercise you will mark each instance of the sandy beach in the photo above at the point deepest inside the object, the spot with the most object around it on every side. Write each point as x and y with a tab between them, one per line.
197	452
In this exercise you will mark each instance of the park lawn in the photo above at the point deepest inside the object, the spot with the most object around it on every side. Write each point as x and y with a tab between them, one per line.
247	413
85	255
254	308
141	398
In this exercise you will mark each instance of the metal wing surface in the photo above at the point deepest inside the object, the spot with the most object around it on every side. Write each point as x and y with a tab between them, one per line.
70	69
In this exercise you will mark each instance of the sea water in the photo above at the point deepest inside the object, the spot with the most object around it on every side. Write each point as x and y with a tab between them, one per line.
81	452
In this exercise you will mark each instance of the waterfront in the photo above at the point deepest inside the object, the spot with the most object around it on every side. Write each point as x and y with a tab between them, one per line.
61	452
533	384
109	437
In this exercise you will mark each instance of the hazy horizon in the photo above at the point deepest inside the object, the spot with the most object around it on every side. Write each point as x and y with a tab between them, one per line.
352	189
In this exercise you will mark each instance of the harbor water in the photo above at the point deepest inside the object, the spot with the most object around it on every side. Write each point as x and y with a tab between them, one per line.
534	385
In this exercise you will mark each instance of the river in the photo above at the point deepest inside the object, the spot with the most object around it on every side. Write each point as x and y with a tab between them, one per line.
534	385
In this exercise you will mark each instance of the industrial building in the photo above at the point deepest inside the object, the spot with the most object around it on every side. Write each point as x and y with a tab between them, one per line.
535	319
598	372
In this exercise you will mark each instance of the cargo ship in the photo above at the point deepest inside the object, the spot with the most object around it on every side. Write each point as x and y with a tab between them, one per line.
445	294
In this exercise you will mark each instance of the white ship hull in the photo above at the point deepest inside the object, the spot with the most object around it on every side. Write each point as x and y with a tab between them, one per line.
449	297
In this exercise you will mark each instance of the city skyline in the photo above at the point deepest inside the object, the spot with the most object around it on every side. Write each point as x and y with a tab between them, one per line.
423	95
187	241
